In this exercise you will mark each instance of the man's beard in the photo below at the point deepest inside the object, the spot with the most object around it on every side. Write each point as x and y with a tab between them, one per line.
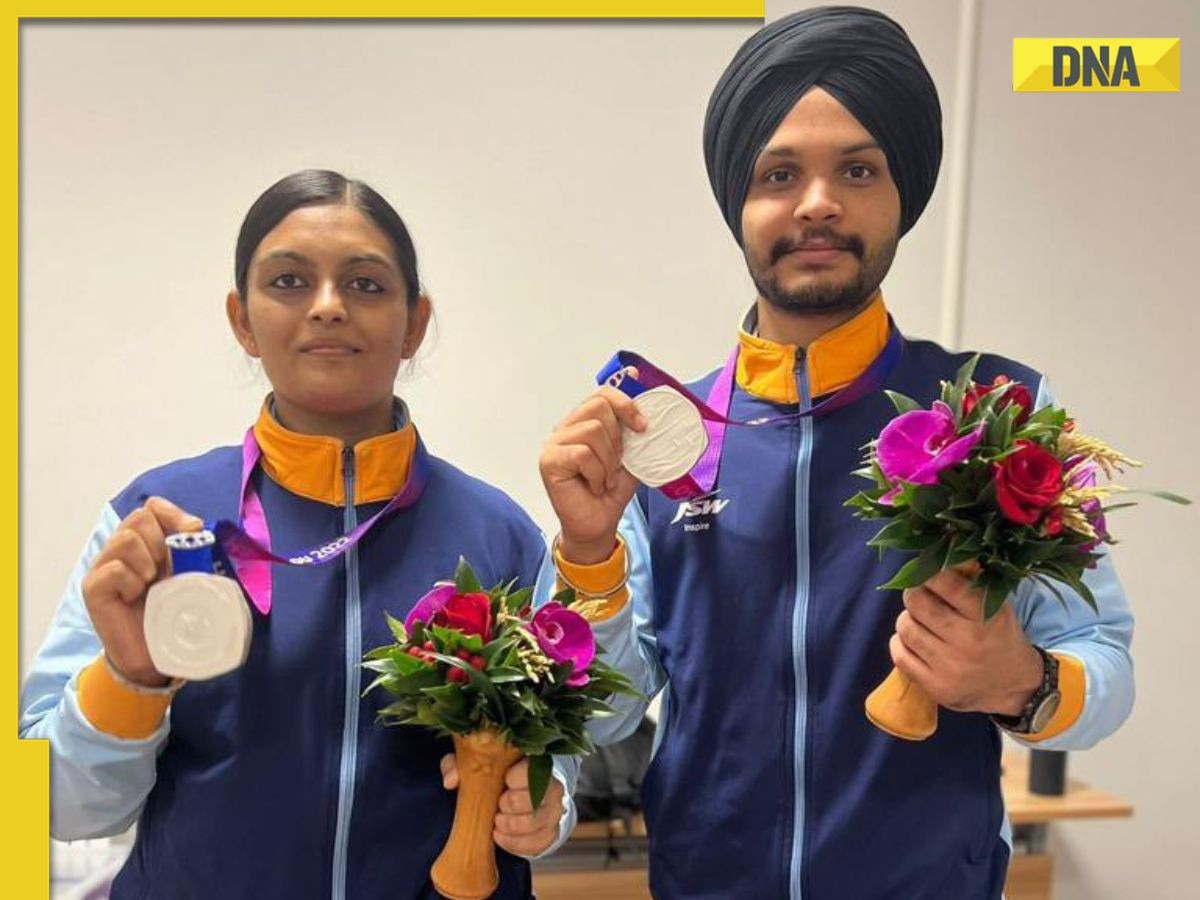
825	297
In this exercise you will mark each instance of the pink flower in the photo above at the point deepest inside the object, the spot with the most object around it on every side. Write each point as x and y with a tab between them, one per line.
565	637
916	446
430	605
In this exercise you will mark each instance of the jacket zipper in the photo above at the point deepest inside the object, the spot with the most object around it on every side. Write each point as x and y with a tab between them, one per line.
353	649
800	631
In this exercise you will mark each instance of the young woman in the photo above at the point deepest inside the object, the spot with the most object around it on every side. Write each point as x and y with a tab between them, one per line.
274	780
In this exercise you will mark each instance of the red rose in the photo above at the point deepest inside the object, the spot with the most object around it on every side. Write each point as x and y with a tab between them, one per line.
1027	482
1018	394
468	613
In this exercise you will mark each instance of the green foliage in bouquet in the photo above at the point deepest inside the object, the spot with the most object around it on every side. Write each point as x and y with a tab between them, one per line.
983	478
466	659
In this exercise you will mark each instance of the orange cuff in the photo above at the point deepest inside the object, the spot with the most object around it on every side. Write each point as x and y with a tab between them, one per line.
1072	685
597	579
118	710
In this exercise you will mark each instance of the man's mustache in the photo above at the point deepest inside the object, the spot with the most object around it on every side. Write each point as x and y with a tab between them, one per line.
824	236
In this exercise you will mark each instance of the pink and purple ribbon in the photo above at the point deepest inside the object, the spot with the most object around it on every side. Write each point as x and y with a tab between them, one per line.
246	549
714	410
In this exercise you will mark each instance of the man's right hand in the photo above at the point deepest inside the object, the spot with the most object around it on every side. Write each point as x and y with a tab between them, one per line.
582	472
114	589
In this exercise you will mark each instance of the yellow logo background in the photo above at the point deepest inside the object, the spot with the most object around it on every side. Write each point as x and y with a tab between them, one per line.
1156	60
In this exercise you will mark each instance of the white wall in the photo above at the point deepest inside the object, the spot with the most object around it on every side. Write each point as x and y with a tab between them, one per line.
552	176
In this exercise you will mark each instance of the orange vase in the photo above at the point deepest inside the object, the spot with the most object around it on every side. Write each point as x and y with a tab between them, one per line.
899	706
466	867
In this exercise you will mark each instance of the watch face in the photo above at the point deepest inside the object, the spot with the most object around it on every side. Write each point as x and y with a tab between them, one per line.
1045	712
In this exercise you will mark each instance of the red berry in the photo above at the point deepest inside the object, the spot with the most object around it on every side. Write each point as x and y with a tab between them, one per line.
413	651
457	675
478	662
429	645
464	655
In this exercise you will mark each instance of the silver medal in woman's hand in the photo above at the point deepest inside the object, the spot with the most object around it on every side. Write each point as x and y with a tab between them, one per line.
197	624
673	442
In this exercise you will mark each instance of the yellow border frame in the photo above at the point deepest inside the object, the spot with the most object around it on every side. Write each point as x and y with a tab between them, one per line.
25	764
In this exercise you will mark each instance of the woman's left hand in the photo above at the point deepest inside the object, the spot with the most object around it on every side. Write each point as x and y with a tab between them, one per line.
519	828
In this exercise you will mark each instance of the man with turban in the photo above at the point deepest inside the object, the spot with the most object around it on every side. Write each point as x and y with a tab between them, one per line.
754	610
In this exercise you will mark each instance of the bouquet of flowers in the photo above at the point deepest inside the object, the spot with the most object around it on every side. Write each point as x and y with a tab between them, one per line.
503	680
983	483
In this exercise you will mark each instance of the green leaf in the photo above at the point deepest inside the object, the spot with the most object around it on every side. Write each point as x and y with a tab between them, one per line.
1071	576
902	403
412	685
1048	418
1086	593
399	632
480	682
962	378
928	500
870	508
530	735
519	599
963	551
465	581
449	699
1161	495
999	430
994	599
540	767
571	747
920	569
899	535
495	649
406	665
952	394
1048	584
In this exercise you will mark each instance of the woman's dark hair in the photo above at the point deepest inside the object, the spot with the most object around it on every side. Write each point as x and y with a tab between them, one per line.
320	187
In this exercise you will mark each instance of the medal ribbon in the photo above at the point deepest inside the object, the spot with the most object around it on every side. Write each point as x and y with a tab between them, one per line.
714	410
245	550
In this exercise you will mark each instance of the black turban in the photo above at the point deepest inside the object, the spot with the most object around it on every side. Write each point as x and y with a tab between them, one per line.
865	61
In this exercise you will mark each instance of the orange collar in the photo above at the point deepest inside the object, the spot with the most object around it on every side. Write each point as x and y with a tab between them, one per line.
310	465
768	370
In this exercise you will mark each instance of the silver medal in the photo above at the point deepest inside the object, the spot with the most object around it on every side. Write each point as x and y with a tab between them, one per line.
673	442
197	626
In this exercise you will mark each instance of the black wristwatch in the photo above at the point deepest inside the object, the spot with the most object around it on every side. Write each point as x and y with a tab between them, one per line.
1041	707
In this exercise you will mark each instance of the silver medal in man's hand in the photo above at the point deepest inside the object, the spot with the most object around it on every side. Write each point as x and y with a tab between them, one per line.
673	442
197	626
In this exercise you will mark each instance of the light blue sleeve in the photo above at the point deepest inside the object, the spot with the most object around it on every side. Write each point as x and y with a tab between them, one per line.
566	768
1099	640
628	639
98	783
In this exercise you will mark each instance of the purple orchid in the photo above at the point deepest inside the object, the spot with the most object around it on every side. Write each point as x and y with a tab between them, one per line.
1084	473
431	604
565	637
916	446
